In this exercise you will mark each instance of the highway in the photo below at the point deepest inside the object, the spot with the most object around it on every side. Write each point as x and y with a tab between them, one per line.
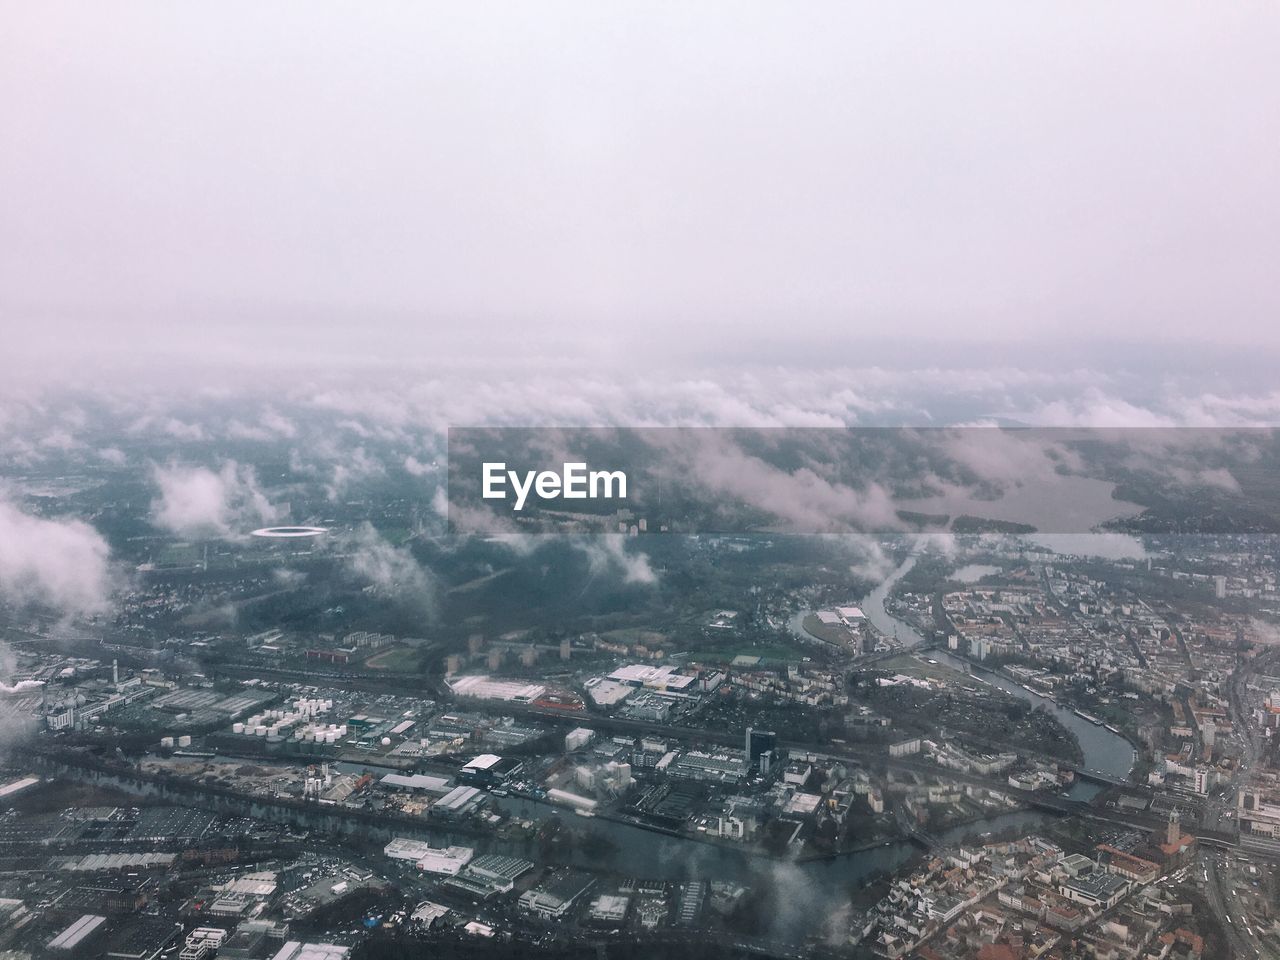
1240	934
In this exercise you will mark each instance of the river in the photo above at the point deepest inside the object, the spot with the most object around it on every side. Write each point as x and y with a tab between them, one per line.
810	889
1103	750
815	887
825	882
806	889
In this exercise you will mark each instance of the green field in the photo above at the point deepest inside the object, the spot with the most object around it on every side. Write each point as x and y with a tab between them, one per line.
913	666
395	660
765	651
832	633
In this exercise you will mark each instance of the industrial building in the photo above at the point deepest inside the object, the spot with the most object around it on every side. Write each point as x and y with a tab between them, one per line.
489	875
459	802
555	896
418	783
294	950
74	936
488	770
482	687
446	861
145	939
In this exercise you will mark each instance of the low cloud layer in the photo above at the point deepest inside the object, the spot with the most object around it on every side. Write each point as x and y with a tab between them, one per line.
55	562
197	501
391	570
608	555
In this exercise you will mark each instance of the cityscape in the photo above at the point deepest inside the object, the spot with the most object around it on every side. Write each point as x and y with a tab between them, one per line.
639	481
288	741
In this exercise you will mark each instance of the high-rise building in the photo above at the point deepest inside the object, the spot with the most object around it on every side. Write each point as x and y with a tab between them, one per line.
758	742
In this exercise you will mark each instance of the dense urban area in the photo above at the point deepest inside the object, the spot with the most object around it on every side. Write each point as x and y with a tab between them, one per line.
639	481
976	747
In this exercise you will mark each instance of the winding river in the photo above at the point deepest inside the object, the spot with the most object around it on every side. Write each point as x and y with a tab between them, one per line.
1104	751
812	888
824	884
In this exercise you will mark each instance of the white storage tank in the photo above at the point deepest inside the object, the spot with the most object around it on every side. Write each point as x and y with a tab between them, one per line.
237	727
184	740
166	742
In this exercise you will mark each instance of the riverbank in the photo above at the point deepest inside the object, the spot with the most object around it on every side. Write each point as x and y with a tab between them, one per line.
1110	754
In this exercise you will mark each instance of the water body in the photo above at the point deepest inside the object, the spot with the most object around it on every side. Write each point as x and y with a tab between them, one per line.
808	889
822	885
1107	546
1103	750
1055	504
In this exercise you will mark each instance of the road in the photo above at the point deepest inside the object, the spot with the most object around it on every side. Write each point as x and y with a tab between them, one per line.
1241	934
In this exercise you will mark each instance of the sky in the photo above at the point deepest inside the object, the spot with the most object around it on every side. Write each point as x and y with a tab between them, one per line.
243	182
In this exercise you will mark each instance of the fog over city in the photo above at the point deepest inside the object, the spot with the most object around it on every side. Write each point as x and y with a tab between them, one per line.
267	183
926	354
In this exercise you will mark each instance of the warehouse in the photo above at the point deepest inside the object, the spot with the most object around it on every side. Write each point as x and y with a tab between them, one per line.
77	933
483	688
488	770
418	783
490	874
459	802
555	896
446	861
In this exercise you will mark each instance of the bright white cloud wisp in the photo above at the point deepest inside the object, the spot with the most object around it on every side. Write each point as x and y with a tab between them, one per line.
61	563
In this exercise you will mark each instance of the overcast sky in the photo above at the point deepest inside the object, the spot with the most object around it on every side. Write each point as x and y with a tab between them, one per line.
450	179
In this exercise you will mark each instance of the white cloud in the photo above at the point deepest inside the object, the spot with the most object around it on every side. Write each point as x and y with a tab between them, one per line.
62	563
197	501
607	554
391	570
417	468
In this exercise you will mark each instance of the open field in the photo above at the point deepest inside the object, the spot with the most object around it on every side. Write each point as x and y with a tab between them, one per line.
766	651
396	660
915	666
832	633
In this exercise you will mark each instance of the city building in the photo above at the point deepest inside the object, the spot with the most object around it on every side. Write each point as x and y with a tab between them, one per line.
555	895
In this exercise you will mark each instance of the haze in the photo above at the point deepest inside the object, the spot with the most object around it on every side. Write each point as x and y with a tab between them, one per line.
373	180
